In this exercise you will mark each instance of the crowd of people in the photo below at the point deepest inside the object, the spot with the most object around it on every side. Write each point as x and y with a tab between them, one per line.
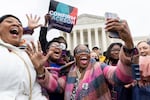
47	70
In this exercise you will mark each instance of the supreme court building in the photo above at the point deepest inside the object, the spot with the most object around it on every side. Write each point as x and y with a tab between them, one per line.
89	30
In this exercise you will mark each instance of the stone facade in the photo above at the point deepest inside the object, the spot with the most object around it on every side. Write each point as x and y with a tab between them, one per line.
89	30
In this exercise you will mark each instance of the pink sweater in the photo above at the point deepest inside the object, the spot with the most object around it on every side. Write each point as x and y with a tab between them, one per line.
95	79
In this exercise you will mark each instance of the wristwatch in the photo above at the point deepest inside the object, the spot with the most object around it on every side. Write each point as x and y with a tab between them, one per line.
133	51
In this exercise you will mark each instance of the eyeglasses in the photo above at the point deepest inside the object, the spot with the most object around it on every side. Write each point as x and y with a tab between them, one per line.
63	46
113	50
78	51
56	46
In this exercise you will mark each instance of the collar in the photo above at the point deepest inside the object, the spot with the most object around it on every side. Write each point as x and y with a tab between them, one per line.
54	65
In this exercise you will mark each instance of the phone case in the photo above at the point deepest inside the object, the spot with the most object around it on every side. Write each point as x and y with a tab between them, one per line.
111	15
112	34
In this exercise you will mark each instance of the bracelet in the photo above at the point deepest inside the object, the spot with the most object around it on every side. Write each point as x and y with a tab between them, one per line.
133	51
26	30
41	76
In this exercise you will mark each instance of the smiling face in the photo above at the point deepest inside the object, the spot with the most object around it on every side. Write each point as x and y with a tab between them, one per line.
82	56
114	53
144	48
11	31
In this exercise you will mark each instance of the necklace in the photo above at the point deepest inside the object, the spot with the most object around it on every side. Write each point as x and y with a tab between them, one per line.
78	73
75	85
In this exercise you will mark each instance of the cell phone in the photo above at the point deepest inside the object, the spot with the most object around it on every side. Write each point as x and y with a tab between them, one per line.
65	68
112	34
135	71
64	53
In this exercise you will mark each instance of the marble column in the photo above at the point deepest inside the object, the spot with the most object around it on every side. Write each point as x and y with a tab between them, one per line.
81	37
89	39
68	40
74	39
104	40
96	37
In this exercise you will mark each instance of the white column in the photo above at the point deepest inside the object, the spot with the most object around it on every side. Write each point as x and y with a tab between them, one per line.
74	39
96	37
68	41
104	40
81	37
89	39
61	33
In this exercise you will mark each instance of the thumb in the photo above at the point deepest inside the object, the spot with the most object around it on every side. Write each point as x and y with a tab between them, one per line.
48	54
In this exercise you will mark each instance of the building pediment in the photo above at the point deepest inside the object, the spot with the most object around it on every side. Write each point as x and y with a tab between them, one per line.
89	19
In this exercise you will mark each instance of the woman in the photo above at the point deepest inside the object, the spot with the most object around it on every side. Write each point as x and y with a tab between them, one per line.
17	73
144	48
141	91
86	80
112	53
118	92
94	55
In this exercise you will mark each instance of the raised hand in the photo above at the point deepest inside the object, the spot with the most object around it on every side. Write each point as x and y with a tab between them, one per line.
122	28
47	18
37	57
33	21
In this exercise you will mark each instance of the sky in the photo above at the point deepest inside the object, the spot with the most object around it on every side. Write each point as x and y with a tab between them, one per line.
136	12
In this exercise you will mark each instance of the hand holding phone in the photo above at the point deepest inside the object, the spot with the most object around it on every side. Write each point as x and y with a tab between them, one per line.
108	15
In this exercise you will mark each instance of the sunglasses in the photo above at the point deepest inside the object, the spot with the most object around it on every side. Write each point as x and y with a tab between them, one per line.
78	51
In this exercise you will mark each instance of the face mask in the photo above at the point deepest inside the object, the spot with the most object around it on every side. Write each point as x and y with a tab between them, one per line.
96	59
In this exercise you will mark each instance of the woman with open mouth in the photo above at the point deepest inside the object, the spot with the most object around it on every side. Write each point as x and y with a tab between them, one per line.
17	72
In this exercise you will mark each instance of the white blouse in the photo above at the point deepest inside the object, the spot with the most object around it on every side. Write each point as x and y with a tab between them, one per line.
17	75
